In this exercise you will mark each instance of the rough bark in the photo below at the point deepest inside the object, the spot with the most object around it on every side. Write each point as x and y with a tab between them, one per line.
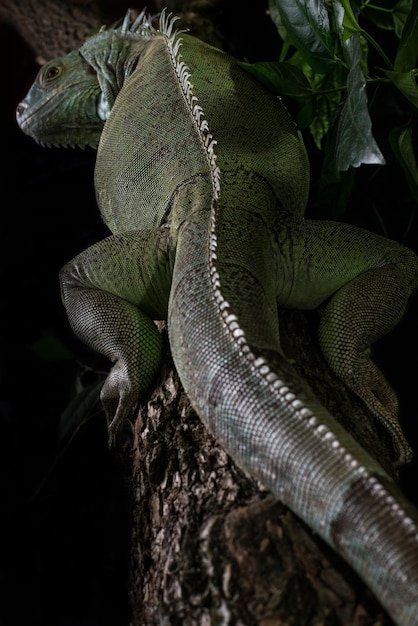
55	27
210	545
52	28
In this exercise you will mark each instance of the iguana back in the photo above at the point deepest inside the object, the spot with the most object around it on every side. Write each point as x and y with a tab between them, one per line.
162	133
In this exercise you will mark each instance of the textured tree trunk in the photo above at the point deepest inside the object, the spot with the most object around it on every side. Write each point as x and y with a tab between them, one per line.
52	28
55	27
210	545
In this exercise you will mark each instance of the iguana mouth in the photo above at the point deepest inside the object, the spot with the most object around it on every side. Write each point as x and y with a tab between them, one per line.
25	114
61	136
21	119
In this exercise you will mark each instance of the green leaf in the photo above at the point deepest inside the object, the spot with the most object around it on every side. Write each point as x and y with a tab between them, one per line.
305	24
402	144
352	142
400	13
406	82
281	78
328	95
285	79
349	22
387	16
355	144
348	26
407	54
320	124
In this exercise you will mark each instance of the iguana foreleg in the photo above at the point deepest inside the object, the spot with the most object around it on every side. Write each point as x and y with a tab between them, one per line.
113	312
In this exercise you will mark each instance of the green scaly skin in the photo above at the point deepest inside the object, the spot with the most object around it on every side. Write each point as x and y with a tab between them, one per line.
211	237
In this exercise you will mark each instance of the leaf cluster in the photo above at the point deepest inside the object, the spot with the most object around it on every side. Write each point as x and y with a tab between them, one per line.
332	68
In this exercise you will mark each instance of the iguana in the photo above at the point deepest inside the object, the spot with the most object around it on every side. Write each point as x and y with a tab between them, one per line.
203	179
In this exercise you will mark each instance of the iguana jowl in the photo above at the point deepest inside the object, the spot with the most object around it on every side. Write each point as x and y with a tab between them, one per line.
211	236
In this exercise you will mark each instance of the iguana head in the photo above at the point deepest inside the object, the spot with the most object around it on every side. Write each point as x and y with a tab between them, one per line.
63	105
72	96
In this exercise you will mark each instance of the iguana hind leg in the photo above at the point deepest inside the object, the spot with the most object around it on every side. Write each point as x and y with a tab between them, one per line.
365	281
355	318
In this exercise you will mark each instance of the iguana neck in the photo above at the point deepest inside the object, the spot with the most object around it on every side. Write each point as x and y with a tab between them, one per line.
114	53
173	138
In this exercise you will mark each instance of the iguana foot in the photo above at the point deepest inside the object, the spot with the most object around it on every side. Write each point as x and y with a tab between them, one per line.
119	396
369	384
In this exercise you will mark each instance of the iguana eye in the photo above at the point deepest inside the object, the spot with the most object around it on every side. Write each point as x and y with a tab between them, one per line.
49	73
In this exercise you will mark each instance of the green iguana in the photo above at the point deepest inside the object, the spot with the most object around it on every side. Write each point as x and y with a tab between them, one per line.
203	180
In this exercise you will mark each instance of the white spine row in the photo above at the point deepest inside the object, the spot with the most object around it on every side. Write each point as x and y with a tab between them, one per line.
183	74
258	364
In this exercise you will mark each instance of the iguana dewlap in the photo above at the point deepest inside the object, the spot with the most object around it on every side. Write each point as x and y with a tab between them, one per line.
203	181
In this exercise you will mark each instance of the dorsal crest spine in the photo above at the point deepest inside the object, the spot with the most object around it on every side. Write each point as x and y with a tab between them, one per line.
142	27
174	43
